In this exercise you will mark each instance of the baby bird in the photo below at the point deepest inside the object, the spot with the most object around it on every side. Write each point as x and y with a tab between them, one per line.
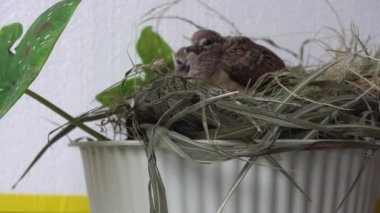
232	62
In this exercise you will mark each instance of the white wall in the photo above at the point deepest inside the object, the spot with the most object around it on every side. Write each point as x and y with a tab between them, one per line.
92	54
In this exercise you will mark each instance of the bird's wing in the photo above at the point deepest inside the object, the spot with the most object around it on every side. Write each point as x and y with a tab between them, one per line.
205	64
245	61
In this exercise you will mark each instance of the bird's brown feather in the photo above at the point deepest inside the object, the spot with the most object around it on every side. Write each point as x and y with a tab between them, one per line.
246	61
232	63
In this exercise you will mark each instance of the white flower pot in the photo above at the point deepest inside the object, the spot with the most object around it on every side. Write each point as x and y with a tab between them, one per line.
117	181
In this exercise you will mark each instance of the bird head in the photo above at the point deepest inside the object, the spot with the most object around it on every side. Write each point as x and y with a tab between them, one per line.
206	38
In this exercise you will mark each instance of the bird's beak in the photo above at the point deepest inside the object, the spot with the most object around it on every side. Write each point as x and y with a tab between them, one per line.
183	70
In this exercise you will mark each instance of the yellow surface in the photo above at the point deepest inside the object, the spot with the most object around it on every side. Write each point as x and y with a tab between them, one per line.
12	203
16	203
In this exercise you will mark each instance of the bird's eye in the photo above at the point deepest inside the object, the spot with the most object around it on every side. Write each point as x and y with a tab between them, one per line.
205	42
179	62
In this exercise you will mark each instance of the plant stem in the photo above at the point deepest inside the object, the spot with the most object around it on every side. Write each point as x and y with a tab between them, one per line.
65	115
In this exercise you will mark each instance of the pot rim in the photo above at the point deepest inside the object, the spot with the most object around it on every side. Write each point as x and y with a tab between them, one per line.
134	143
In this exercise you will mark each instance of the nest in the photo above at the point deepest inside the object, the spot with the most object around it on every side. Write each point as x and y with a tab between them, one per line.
336	101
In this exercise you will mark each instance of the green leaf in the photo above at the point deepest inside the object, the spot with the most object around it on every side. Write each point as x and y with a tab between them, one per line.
152	47
31	54
115	93
8	36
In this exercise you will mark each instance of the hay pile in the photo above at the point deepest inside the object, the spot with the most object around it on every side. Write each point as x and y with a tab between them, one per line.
338	101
